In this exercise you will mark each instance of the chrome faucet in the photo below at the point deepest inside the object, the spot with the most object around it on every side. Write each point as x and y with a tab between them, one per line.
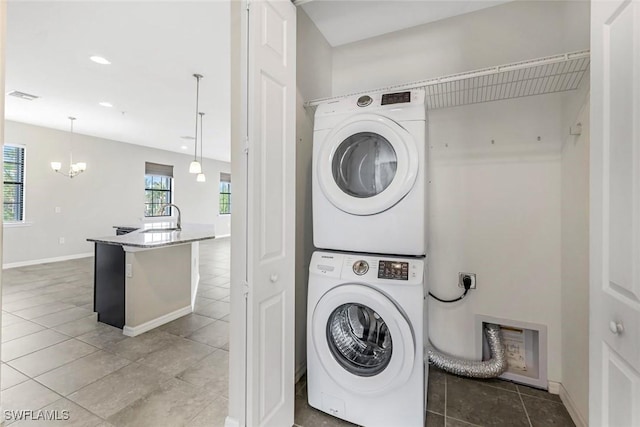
179	223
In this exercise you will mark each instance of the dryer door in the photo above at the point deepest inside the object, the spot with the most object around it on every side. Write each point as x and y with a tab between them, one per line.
363	341
367	164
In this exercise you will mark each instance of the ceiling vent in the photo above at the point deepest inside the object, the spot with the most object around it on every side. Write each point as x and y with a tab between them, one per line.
22	95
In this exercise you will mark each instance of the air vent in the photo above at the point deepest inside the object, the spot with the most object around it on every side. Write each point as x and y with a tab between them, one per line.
22	95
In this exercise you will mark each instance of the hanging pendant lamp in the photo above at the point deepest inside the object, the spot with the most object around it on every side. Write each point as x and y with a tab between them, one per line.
194	166
75	169
201	177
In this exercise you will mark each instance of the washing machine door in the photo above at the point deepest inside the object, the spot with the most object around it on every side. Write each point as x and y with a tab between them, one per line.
367	164
362	339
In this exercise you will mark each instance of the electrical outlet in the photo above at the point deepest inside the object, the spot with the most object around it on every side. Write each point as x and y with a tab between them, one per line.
461	277
61	240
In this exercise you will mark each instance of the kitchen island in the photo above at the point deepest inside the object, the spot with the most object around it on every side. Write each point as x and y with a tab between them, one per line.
147	277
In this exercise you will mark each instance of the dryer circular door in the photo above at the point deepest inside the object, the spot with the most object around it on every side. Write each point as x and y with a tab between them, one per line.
367	164
363	342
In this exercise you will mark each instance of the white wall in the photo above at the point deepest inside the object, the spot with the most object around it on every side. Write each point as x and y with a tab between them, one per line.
314	81
110	192
507	33
575	264
495	209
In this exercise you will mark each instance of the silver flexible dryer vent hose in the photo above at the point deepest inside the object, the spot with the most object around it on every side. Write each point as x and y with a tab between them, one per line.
491	368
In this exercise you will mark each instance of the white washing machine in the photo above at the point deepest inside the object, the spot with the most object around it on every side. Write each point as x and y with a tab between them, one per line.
370	174
366	330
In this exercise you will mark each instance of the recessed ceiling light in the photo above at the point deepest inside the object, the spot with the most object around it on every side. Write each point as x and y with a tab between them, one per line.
100	60
184	147
106	104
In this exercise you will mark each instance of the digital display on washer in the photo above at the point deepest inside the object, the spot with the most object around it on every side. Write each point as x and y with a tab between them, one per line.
394	270
396	98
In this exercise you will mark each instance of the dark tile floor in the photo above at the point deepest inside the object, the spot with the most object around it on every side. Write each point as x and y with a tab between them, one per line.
458	402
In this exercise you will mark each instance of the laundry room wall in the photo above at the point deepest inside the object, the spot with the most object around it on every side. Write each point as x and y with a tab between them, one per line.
314	66
495	208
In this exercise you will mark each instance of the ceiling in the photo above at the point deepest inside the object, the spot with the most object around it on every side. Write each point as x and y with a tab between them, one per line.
342	22
154	49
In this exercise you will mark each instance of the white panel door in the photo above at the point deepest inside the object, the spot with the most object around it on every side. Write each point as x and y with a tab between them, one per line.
614	398
271	212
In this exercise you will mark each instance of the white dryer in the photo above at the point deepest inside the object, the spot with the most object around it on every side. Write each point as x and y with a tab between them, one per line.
366	328
370	174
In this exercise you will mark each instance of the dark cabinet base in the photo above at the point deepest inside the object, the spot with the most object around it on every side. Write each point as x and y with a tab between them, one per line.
109	281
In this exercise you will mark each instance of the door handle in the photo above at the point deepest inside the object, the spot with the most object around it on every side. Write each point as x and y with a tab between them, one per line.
616	328
273	278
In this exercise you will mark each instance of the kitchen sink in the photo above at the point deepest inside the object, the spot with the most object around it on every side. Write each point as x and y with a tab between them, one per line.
160	230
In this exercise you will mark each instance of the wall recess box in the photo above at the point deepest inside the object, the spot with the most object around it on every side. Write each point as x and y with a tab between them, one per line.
533	338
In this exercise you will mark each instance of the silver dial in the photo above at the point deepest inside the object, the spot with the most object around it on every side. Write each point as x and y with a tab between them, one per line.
364	100
360	267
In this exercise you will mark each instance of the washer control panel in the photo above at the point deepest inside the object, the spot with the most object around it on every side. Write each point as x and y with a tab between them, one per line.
394	270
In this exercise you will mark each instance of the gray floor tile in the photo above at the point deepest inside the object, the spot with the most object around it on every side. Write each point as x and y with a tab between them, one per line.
11	377
52	357
82	372
118	390
19	329
43	310
135	348
63	316
177	357
28	395
173	403
213	415
216	293
436	391
215	334
434	420
30	343
211	373
187	324
104	337
474	402
544	413
535	392
452	422
10	319
80	326
306	416
23	304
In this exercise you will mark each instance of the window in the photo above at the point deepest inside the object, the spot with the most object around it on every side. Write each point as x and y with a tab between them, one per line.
225	193
158	187
13	188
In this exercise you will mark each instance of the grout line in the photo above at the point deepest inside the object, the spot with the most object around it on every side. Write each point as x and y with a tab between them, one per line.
524	407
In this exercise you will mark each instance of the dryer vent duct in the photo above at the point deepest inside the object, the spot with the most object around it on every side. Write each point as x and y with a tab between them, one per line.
491	368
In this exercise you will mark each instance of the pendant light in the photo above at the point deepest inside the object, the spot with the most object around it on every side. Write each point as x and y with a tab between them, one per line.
195	166
75	169
201	177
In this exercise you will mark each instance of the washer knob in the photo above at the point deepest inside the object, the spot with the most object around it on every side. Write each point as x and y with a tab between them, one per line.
360	267
364	100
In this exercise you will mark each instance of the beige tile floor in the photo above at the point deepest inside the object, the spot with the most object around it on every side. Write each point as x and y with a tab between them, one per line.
56	356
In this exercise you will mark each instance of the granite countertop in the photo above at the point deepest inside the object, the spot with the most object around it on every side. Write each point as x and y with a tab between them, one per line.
143	238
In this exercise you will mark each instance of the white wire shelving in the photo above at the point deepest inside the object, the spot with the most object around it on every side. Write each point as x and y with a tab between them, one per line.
550	74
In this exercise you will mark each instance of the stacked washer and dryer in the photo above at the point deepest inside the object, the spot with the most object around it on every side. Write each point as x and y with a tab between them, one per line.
366	318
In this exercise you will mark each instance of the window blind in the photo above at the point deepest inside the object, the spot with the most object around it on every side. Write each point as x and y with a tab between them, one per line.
158	169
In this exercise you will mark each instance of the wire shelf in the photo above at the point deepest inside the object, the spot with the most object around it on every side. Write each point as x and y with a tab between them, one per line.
551	74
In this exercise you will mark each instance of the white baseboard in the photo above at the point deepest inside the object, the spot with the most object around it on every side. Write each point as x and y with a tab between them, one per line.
302	369
554	387
231	422
571	408
46	260
220	236
158	321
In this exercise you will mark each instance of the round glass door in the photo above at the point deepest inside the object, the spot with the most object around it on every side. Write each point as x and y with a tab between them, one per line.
364	164
359	339
367	164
